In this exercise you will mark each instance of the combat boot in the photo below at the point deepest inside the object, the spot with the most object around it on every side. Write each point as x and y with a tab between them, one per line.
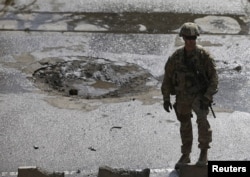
184	160
202	161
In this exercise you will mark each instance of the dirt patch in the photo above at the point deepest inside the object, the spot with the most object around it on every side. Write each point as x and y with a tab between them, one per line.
93	78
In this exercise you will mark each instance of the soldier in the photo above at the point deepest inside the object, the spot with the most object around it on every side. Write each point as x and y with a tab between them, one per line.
190	74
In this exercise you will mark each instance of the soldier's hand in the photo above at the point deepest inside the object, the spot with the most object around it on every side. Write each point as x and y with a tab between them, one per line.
167	106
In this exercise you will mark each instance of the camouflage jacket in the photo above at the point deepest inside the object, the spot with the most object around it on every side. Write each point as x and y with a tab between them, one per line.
190	74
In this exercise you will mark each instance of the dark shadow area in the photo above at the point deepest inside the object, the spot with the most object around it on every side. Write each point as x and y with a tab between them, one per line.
129	22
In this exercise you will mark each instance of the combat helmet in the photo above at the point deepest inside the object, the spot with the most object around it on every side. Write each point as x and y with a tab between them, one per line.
189	29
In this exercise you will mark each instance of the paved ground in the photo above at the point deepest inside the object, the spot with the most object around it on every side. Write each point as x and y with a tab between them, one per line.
61	133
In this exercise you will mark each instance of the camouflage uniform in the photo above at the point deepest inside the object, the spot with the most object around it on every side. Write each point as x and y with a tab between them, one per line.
180	79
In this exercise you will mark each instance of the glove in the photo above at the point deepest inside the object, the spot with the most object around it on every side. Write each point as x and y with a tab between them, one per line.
204	102
167	106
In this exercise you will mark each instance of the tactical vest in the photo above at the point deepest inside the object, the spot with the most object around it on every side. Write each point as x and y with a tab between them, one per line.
187	70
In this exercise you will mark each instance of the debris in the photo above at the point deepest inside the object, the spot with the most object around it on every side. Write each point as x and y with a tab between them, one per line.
78	171
73	92
115	127
91	148
35	147
238	68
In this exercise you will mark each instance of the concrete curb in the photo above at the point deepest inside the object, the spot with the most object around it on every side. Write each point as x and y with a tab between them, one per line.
193	171
109	172
105	171
33	171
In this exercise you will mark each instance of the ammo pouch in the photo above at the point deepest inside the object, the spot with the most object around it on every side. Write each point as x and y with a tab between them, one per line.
186	82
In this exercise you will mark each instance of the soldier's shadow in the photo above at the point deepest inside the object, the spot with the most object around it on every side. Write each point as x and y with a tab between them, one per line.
173	174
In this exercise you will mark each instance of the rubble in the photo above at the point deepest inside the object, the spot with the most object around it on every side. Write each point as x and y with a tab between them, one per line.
95	78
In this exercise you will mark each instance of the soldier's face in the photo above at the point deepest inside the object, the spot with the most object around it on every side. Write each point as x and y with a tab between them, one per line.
190	42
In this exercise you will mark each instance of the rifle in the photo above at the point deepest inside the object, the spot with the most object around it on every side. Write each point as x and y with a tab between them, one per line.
211	108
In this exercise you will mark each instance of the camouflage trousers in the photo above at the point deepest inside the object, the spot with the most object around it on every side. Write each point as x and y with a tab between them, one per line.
183	108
